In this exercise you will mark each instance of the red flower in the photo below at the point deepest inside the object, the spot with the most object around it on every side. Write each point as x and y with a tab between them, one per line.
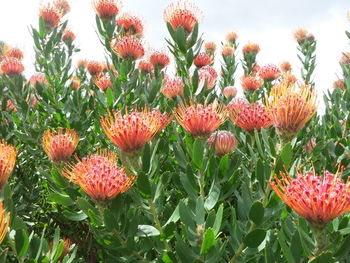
318	199
250	83
159	59
51	16
183	14
339	84
38	78
103	81
106	9
76	82
200	120
13	52
131	131
99	176
208	76
146	66
68	36
203	59
230	91
59	147
131	25
7	161
94	67
249	117
225	142
128	47
11	66
269	72
251	48
172	87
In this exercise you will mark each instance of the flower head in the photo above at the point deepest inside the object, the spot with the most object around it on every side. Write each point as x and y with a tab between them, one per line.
248	116
286	66
63	6
131	131
203	59
318	199
106	9
291	107
59	147
82	63
210	48
225	142
231	37
251	48
13	52
200	120
146	66
159	59
76	82
183	14
11	66
94	67
208	75
172	87
230	91
67	243
269	72
103	82
288	79
51	16
250	83
128	47
38	78
7	161
227	50
99	176
67	36
339	84
131	25
4	222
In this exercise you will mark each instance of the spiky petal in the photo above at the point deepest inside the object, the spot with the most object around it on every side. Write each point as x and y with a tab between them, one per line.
250	83
172	87
51	16
159	59
203	59
4	222
229	92
11	66
131	25
128	47
7	161
106	9
269	72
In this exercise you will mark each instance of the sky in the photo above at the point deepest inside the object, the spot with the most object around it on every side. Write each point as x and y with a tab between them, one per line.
269	23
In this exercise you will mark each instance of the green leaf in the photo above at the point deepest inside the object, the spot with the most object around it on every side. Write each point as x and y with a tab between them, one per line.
200	212
74	216
287	154
183	251
208	241
109	219
218	220
110	98
198	153
344	248
64	200
254	238
147	231
323	258
144	185
22	242
296	247
256	212
285	249
42	28
169	230
146	158
181	39
213	196
186	217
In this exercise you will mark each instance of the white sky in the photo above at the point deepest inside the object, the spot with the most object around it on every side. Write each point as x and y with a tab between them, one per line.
269	23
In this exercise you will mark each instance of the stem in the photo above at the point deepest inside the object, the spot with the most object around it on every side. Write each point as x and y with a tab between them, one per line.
320	236
201	183
157	222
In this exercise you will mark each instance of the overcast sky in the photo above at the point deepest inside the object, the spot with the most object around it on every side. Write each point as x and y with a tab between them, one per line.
270	23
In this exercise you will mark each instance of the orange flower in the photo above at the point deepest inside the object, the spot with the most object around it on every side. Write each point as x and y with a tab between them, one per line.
7	161
230	91
131	131
159	59
345	58
106	9
318	199
128	47
256	69
286	66
63	6
290	108
200	120
172	87
67	243
94	67
300	34
227	50
13	52
11	66
59	147
339	84
231	37
4	222
82	63
202	59
131	25
251	48
225	142
288	79
103	81
208	75
76	82
183	14
37	78
250	83
210	48
248	116
51	16
269	72
68	36
10	106
146	66
99	176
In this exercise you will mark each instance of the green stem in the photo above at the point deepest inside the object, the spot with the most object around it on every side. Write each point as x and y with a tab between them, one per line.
320	236
201	183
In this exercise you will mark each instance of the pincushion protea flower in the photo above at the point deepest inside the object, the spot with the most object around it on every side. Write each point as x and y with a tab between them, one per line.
227	50
250	83
288	79
269	72
251	48
128	47
99	176
202	59
63	6
51	16
12	52
301	35
131	25
225	142
159	59
11	66
183	14
200	120
318	199
4	222
339	84
67	243
290	108
286	66
106	9
59	147
208	76
146	66
231	37
131	131
172	87
229	92
210	48
103	82
7	161
37	78
67	36
248	116
94	67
